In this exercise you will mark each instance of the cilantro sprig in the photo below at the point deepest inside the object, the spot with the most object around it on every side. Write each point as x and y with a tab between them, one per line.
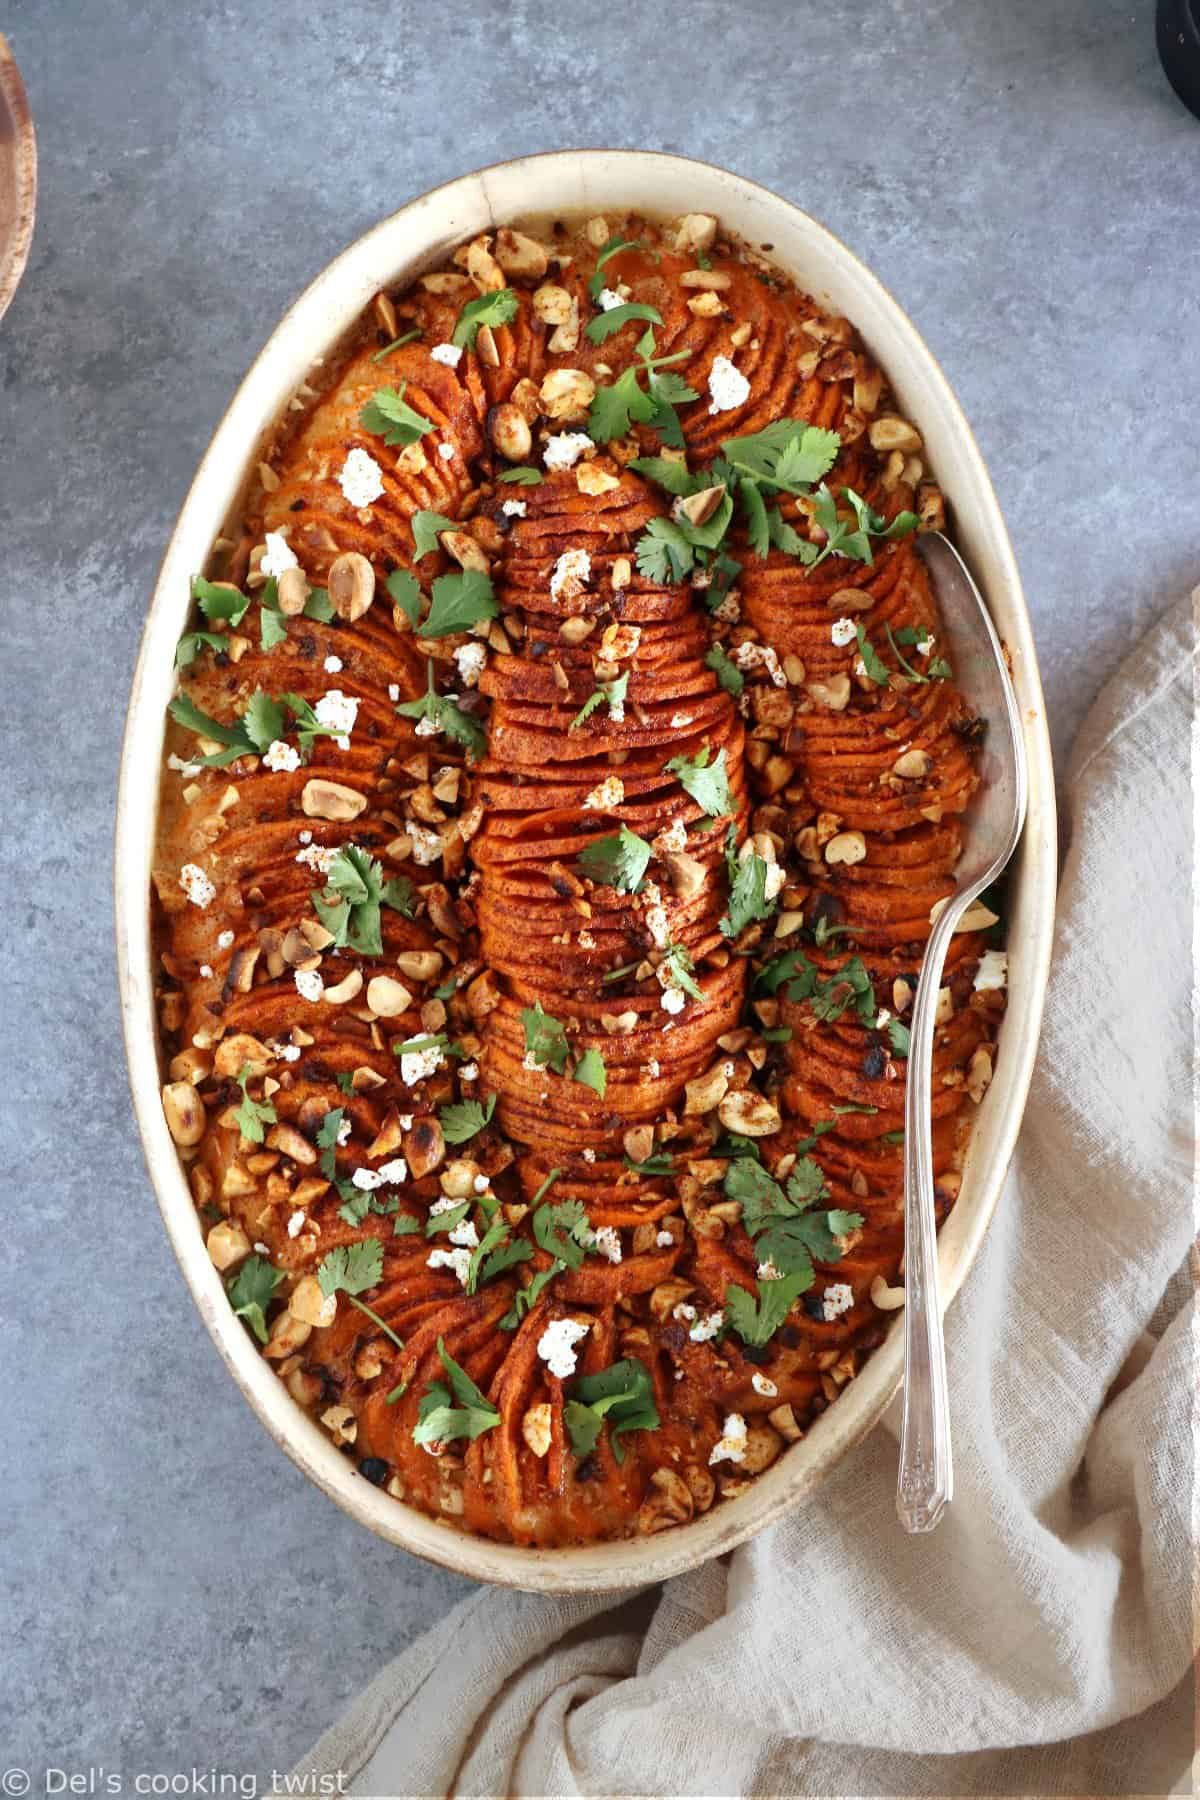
440	1419
388	415
498	308
465	1119
356	890
448	717
748	900
619	861
459	602
250	1291
606	693
252	1115
706	779
623	1394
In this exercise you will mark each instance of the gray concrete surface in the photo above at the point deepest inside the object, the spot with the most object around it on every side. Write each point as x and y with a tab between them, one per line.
1019	174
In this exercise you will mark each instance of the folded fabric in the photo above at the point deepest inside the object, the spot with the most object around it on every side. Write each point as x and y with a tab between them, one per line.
1039	1641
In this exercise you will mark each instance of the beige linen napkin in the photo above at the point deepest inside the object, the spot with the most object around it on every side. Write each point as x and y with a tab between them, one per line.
1038	1642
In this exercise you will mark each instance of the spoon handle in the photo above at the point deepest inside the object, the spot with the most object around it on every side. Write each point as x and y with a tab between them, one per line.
926	1479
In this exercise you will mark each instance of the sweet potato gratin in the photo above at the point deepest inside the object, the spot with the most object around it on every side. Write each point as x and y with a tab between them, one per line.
565	769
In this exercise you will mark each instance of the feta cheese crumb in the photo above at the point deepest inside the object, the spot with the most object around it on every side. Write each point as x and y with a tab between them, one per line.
361	479
672	839
589	1156
446	452
416	1065
366	1180
664	1240
317	857
843	632
393	690
196	885
925	647
309	985
992	973
727	386
458	1260
465	1235
343	1133
672	1000
515	509
469	1072
564	450
762	1384
610	792
449	354
606	299
731	1445
282	758
837	1298
760	656
556	1346
426	844
278	556
470	660
657	923
679	720
394	1171
296	1224
729	611
774	880
654	1068
704	1329
338	712
181	767
571	574
607	1242
334	665
206	971
225	941
288	1053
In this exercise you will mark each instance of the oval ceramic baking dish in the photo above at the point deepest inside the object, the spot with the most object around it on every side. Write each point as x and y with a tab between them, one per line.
395	251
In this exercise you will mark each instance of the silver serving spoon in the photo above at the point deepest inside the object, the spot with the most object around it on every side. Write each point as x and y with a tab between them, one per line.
997	813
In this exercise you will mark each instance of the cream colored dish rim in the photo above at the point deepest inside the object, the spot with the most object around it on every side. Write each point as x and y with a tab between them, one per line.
18	168
413	239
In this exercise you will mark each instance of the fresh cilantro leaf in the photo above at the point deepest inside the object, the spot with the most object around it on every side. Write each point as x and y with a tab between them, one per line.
850	984
613	407
596	282
666	473
785	538
345	1080
707	782
522	476
271	628
449	718
259	726
852	1106
360	1204
791	970
724	571
900	1036
757	1322
252	1115
250	1291
495	1253
465	1119
788	454
619	861
725	670
659	1164
623	1393
425	528
935	670
680	967
747	889
563	1231
219	602
401	584
446	1221
590	1070
873	663
805	458
666	392
191	644
605	324
439	1419
405	1225
356	890
405	337
664	554
545	1039
757	528
498	308
779	1034
842	1223
459	601
527	1297
388	415
854	541
609	693
319	606
351	1268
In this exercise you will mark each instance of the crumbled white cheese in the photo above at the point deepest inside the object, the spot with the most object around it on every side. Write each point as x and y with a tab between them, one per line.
673	1000
450	354
225	941
393	690
774	880
657	923
881	1018
305	837
589	1156
343	1133
318	857
469	1072
731	1445
446	452
762	1384
196	885
205	971
459	1260
281	757
685	1312
606	299
181	767
337	711
672	839
565	449
679	720
296	1224
606	1241
288	1053
992	973
586	941
729	611
766	1271
843	632
416	1065
760	656
610	792
727	386
278	556
426	844
334	665
309	985
470	660
571	574
704	1329
664	1240
367	1180
556	1346
406	1120
465	1235
654	1068
361	479
925	647
837	1298
515	509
